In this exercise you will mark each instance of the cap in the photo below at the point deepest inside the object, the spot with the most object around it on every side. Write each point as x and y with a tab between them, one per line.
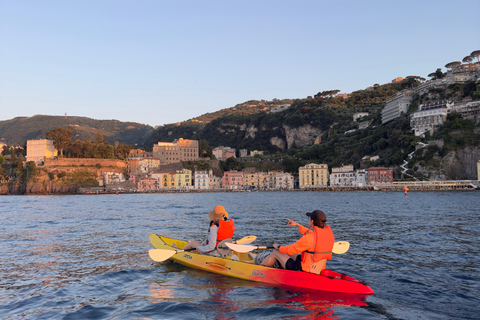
318	217
217	213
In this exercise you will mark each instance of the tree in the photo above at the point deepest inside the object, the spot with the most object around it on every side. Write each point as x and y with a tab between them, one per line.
476	55
467	59
62	138
453	65
204	149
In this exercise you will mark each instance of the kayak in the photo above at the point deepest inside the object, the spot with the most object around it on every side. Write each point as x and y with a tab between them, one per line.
242	266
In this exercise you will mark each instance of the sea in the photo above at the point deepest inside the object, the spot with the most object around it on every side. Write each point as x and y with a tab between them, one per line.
86	256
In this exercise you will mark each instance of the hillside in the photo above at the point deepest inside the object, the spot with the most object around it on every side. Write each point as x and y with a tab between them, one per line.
18	130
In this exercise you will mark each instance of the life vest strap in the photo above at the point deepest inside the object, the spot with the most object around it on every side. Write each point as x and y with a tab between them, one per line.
318	252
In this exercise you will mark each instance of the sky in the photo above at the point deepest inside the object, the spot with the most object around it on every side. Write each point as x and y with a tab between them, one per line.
156	62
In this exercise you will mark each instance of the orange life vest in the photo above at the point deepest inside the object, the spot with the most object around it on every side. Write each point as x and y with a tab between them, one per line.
322	247
225	229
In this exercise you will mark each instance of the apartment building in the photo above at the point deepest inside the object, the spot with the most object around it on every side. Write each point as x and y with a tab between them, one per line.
397	105
139	153
214	182
202	180
255	180
183	179
146	184
428	117
379	175
176	151
223	153
343	176
313	176
232	179
279	180
143	165
39	150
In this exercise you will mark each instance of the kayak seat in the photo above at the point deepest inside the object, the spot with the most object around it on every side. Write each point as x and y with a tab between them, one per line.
222	248
318	266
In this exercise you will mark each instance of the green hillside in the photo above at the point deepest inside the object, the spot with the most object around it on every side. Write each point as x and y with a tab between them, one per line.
18	130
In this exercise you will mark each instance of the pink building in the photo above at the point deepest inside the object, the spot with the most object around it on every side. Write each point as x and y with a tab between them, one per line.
147	184
232	179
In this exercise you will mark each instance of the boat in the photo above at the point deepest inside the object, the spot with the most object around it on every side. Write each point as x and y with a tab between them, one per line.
242	266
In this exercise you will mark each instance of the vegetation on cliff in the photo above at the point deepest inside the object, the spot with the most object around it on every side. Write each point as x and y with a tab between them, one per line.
18	130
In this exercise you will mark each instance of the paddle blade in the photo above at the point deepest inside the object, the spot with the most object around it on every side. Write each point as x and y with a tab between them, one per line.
246	240
160	255
340	247
242	248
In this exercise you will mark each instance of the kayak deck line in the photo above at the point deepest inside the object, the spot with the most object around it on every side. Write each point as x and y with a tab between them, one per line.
242	266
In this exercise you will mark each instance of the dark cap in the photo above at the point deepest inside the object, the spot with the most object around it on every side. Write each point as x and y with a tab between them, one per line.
318	217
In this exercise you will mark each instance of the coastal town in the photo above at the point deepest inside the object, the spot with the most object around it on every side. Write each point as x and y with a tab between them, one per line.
162	170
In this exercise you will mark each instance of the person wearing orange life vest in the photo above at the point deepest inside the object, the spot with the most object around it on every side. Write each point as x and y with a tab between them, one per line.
221	228
316	244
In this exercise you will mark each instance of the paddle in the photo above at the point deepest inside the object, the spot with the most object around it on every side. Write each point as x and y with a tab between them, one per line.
339	247
160	255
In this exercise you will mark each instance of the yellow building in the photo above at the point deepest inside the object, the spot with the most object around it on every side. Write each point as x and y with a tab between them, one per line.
183	178
313	175
176	151
255	180
39	150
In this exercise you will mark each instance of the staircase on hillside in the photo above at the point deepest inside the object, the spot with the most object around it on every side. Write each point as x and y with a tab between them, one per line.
410	155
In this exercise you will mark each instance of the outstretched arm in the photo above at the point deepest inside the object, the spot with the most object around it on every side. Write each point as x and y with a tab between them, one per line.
301	228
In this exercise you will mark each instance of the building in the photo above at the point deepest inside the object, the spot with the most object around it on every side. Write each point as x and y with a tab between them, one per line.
39	150
478	170
397	105
147	184
359	115
279	180
313	176
202	180
232	179
143	165
243	153
176	151
112	177
361	178
223	153
398	79
344	176
427	118
139	153
214	182
380	175
255	180
253	153
183	179
165	179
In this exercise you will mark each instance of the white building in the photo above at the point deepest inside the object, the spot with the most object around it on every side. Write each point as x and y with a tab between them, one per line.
343	176
361	178
359	115
280	180
427	118
397	105
202	180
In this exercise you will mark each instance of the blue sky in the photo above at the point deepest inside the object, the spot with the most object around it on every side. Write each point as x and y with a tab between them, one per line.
158	62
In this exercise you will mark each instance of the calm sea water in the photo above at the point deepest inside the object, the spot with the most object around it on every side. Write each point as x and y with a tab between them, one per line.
85	256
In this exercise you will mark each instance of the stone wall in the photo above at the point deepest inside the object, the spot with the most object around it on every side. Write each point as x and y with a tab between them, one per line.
85	162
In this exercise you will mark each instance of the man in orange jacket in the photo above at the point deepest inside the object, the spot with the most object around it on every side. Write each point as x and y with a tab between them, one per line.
315	245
